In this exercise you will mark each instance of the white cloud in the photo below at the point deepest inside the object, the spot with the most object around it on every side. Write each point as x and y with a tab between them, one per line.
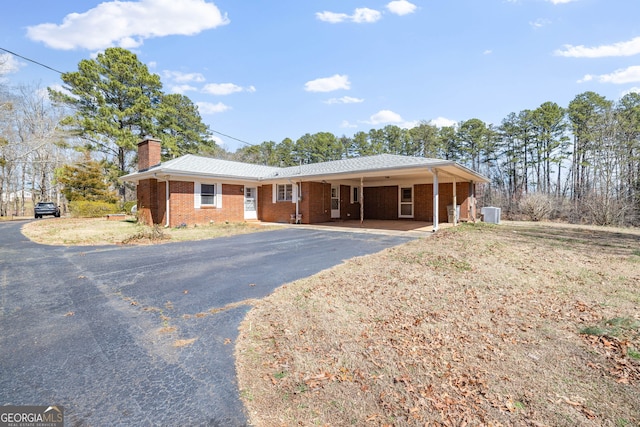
211	108
487	52
539	23
586	78
344	100
182	89
226	89
401	7
390	117
627	48
622	76
9	64
346	124
560	1
360	15
385	116
365	15
635	89
331	17
127	24
217	140
442	122
328	84
180	77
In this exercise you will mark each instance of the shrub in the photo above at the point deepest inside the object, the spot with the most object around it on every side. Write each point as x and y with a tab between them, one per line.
536	206
88	209
126	206
153	234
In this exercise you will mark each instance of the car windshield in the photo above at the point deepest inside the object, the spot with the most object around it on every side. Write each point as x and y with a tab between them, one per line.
45	204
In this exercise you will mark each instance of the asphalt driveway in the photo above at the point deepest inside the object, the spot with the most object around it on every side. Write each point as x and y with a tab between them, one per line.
144	335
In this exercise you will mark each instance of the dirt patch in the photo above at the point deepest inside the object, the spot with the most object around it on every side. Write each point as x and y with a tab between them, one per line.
477	325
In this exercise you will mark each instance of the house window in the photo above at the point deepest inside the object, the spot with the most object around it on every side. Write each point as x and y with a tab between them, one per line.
285	192
207	194
355	195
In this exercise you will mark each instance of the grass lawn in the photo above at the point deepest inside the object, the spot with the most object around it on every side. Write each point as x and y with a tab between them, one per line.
99	231
530	324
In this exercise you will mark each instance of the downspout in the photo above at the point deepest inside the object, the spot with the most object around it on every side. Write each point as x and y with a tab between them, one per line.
298	189
455	203
167	204
295	221
472	202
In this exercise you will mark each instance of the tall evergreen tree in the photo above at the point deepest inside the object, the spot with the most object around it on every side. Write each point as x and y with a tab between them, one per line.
116	102
181	129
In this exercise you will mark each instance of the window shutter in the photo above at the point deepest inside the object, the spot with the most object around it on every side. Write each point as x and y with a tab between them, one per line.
219	195
196	195
274	193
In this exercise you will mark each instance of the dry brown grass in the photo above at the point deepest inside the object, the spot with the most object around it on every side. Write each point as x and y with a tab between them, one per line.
184	342
99	231
477	325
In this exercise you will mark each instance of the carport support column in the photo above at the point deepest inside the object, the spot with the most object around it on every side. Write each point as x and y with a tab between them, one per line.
436	185
361	200
167	202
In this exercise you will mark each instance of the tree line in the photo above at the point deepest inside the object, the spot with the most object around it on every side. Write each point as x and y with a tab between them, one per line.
579	163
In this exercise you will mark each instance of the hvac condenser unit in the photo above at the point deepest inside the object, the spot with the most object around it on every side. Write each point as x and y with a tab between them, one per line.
491	215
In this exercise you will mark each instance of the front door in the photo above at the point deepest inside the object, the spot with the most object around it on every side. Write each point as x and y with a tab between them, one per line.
406	202
335	201
250	203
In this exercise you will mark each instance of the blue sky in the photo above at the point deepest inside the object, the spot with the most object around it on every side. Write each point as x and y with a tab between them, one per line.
263	71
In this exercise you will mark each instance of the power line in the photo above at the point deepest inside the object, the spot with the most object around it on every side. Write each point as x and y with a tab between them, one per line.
31	60
229	136
60	72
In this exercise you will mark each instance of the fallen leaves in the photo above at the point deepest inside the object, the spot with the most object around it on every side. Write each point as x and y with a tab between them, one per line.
624	369
463	329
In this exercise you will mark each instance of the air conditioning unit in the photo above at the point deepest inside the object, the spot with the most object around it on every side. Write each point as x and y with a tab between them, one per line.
491	215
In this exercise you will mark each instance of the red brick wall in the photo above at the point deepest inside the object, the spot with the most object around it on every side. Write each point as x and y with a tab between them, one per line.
151	201
275	212
149	154
315	206
183	211
316	202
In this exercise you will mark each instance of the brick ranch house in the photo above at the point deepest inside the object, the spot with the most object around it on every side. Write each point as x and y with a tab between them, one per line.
197	190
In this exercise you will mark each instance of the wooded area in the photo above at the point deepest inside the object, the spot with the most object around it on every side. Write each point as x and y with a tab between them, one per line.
579	163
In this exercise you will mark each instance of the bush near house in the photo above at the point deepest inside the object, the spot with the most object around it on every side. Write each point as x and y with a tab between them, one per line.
90	209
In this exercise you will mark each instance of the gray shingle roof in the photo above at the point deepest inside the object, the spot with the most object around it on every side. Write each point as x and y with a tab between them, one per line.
358	164
190	164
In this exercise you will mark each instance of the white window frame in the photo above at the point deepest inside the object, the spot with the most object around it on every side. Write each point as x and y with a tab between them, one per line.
401	202
355	194
197	195
288	190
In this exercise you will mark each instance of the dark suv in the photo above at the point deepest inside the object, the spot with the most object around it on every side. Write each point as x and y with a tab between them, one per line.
46	208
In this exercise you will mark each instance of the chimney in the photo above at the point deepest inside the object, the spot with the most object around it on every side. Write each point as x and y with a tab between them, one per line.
148	153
